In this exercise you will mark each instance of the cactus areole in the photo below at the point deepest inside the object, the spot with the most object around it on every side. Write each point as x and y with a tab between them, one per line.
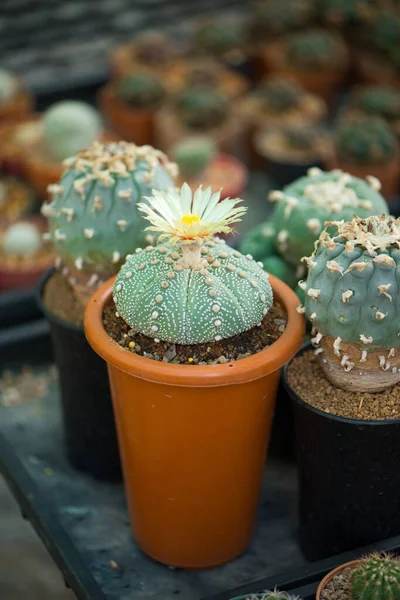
191	288
93	215
353	301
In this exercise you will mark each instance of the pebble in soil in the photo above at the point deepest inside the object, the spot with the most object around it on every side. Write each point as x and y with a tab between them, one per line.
339	587
224	351
308	381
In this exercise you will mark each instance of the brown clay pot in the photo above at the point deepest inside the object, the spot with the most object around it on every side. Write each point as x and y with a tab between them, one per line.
13	155
133	125
193	440
332	574
20	105
324	83
229	137
372	67
387	173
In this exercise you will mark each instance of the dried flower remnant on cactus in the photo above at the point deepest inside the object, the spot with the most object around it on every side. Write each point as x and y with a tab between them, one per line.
376	577
93	214
353	301
192	287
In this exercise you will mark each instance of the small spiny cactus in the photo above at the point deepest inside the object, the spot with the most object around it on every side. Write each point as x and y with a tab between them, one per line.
93	214
377	100
269	17
315	50
8	85
269	595
218	38
21	238
141	90
202	108
192	288
279	94
193	155
377	577
352	296
385	30
154	48
365	141
68	127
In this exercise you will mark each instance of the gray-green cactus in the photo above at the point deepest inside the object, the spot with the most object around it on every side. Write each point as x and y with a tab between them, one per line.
218	38
202	108
268	595
193	288
21	238
93	214
279	94
141	89
377	100
154	48
365	141
8	85
69	127
270	18
352	289
314	50
376	577
193	155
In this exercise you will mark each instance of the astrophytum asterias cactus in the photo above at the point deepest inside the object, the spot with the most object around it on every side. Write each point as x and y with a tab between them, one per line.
192	287
377	577
353	301
94	220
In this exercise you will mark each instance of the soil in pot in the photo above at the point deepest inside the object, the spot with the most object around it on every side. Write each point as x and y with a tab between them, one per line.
338	587
88	421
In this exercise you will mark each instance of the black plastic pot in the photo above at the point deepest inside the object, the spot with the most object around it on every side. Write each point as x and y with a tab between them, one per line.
349	487
282	442
88	420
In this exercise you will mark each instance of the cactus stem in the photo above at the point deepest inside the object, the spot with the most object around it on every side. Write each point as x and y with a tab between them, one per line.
336	346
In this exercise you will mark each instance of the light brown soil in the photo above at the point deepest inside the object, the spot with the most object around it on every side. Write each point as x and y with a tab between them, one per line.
233	348
339	587
59	298
308	381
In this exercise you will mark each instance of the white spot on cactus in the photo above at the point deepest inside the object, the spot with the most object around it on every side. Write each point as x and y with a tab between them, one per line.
314	294
384	259
154	328
254	283
159	298
138	250
346	295
276	196
164	284
212	292
230	267
79	186
217	263
313	317
79	263
309	262
208	281
242	274
216	308
302	285
373	182
318	351
54	189
97	203
218	338
93	279
314	172
47	210
314	225
291	203
265	310
154	315
149	248
162	249
69	212
204	250
122	224
366	340
140	267
248	256
384	290
168	260
175	255
282	239
117	314
118	288
217	323
364	355
259	263
392	352
380	315
360	266
88	233
128	274
225	255
365	204
155	261
125	194
46	236
59	236
336	346
262	298
300	309
171	275
115	256
316	340
334	267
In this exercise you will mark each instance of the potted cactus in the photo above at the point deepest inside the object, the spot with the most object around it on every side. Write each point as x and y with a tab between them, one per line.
151	49
130	104
316	59
377	101
16	199
290	151
199	162
193	399
64	128
15	101
268	595
376	576
24	256
367	146
200	110
346	394
344	15
93	223
300	213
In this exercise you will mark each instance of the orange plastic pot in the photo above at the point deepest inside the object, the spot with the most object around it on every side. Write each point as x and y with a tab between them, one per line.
193	440
20	105
353	564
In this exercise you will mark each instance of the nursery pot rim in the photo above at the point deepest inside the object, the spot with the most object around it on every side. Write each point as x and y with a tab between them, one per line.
242	371
296	398
331	574
50	316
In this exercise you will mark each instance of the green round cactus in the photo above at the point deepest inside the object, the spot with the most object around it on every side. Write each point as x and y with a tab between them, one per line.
304	205
154	48
269	17
377	100
69	127
275	265
217	38
21	238
385	30
314	50
193	155
377	577
193	288
8	85
279	94
352	291
365	141
140	90
202	108
93	215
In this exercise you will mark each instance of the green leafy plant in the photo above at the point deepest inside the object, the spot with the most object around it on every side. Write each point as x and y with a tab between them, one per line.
140	90
68	127
218	38
93	214
314	50
377	577
365	141
8	85
192	287
202	108
193	155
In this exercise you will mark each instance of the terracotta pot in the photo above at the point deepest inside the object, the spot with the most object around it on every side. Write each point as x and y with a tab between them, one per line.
20	105
229	137
133	125
332	574
12	155
373	67
193	440
124	62
40	172
387	173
